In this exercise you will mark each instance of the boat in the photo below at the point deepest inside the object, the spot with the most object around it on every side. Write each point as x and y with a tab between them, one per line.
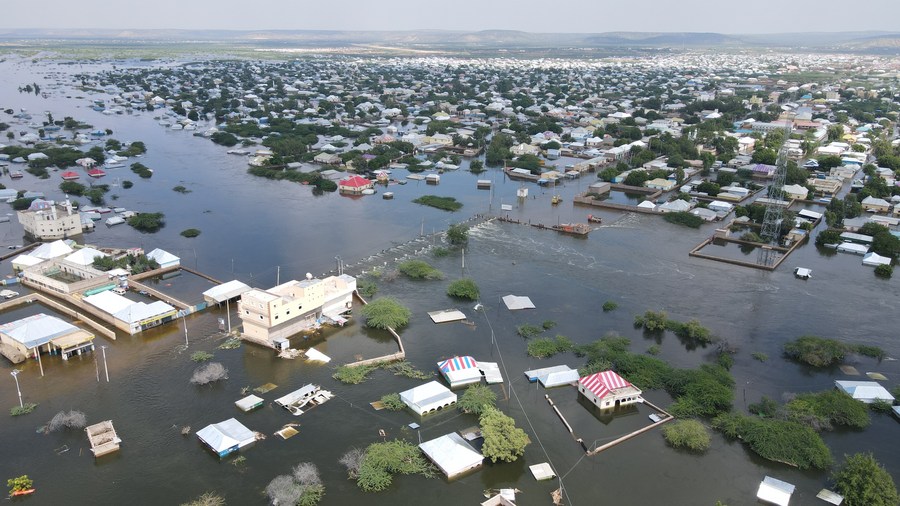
16	175
572	228
387	195
70	175
96	173
556	199
594	219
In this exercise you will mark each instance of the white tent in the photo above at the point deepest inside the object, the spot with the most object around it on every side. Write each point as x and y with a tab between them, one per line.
452	454
775	491
875	259
865	391
431	396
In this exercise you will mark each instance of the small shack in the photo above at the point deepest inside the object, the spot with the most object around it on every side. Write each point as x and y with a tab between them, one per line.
103	438
865	391
452	455
459	371
427	398
554	376
249	403
775	491
607	389
226	437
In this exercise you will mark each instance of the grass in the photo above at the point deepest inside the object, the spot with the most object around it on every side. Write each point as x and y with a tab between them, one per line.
232	343
762	357
545	347
528	330
201	356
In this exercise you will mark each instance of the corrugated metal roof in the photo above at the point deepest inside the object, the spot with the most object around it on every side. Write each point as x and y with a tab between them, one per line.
602	383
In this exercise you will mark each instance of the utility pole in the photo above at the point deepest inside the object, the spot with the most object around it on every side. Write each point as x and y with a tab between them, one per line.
278	276
184	320
15	375
105	367
228	314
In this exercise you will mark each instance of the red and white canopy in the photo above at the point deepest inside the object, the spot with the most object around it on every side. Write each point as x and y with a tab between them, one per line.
458	364
602	383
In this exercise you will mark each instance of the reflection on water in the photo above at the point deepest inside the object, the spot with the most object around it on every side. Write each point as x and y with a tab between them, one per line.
256	230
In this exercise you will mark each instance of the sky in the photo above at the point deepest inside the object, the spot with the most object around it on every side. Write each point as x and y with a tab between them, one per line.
572	16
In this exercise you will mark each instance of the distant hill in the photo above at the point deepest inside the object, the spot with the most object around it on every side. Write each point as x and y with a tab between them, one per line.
851	41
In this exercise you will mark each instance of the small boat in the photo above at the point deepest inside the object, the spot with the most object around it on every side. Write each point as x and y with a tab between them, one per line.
556	199
572	228
594	219
16	175
96	173
387	195
70	175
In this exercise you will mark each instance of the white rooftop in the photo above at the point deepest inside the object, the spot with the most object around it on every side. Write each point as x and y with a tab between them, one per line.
452	454
37	330
225	291
224	435
775	491
446	315
85	256
515	302
865	391
51	250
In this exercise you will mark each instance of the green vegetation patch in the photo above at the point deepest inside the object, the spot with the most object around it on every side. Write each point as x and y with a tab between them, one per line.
443	203
381	461
201	356
684	218
392	402
418	269
545	347
503	441
385	312
824	352
24	409
824	410
147	222
782	441
463	289
863	481
688	434
142	170
476	399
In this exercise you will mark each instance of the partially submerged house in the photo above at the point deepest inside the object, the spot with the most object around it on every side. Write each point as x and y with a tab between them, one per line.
775	491
226	437
428	398
130	316
42	333
452	455
607	390
554	376
865	391
459	371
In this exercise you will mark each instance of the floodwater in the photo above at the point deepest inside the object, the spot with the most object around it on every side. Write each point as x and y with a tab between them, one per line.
256	230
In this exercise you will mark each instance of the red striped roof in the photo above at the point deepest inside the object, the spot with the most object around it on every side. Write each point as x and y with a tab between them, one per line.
602	383
458	364
355	181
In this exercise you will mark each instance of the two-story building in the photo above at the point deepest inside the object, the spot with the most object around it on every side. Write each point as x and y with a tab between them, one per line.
46	220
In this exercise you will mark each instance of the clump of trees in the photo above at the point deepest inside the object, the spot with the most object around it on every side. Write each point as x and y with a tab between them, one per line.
684	218
864	482
824	410
476	399
783	441
135	263
528	330
503	441
381	461
418	269
458	234
147	222
385	312
545	347
190	232
824	352
209	373
393	402
67	420
443	203
691	330
688	434
465	288
142	170
884	271
303	487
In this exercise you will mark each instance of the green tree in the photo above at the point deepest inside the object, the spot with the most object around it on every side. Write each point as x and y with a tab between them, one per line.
458	234
386	312
147	222
637	178
476	399
502	439
864	482
764	155
383	460
689	434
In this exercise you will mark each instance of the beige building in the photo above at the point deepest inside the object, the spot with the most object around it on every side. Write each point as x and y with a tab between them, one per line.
827	187
47	220
289	308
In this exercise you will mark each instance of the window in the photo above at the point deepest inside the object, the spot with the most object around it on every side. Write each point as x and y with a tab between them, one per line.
276	317
260	317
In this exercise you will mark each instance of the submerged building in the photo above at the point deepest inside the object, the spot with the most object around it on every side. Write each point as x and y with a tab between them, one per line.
47	220
282	311
608	390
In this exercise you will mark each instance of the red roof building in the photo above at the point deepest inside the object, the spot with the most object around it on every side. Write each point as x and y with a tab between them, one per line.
355	184
608	390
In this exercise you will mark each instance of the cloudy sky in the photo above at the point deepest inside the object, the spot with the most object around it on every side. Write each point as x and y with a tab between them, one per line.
575	16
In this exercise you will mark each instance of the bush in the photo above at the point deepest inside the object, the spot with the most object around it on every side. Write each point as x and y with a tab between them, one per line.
609	306
405	369
142	170
443	203
128	184
548	324
476	399
816	351
353	374
384	313
824	410
201	356
181	189
392	402
884	271
383	460
782	441
439	252
652	321
762	357
366	287
765	408
352	460
464	289
417	269
503	441
26	408
64	420
209	373
207	499
689	434
19	484
190	232
458	234
528	330
864	482
545	347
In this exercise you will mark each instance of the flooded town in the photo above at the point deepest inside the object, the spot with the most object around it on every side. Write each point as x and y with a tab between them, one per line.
311	272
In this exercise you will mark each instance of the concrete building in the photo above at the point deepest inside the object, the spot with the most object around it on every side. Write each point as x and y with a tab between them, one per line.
289	308
47	220
42	333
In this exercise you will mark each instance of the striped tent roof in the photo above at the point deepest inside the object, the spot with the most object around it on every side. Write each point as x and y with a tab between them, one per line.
458	364
602	383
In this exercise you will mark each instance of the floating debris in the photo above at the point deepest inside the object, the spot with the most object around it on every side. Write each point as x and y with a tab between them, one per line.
268	387
185	430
